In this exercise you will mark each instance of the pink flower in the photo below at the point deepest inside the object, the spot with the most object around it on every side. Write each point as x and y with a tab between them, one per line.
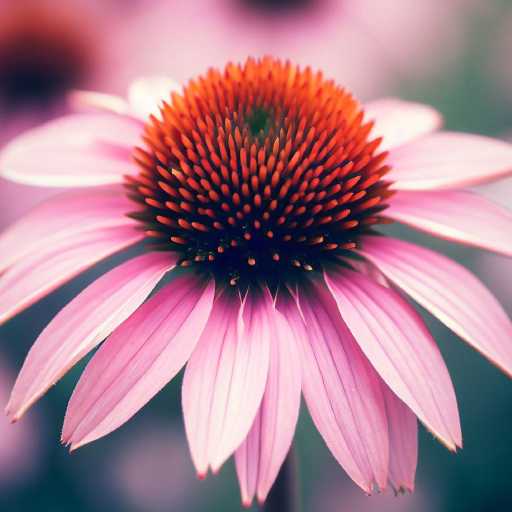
47	48
265	184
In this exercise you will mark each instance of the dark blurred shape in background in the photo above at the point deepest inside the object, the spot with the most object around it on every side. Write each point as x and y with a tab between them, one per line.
452	54
43	53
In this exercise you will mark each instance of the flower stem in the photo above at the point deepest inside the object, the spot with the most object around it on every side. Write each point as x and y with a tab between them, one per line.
284	495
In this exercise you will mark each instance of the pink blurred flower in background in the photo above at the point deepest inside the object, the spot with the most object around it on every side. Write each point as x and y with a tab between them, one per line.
335	495
20	449
150	470
47	48
371	46
264	183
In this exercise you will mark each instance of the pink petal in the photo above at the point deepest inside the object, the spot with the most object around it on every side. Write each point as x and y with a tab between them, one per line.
139	358
449	160
99	102
146	95
64	216
403	442
399	346
369	269
449	291
83	323
76	150
399	122
261	455
342	390
248	460
225	379
41	272
456	215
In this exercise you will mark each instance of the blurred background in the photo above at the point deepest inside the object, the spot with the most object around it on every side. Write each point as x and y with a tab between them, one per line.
454	55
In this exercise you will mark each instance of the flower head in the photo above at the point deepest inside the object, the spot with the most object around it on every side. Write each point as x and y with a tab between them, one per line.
265	184
258	171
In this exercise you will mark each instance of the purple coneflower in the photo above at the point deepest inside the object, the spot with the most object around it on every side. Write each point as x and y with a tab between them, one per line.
257	192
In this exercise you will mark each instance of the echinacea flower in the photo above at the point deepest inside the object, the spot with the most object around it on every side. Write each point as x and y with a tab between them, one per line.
257	191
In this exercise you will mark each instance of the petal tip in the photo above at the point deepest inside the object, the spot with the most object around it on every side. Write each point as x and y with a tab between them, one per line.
215	467
14	414
403	488
75	444
72	446
450	444
246	503
262	497
367	486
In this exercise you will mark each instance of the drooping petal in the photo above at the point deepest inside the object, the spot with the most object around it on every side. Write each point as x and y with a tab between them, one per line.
83	323
396	341
139	358
449	291
41	272
75	150
225	379
456	215
64	216
146	95
403	442
262	453
399	122
449	160
341	389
